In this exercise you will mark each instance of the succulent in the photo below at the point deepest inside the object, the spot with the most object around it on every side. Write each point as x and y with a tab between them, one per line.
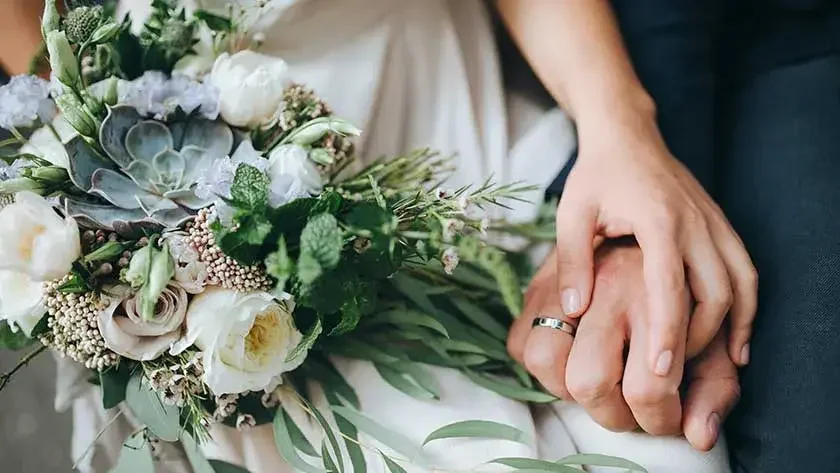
81	22
149	171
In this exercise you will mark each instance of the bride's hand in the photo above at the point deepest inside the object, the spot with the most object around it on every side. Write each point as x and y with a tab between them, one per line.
626	183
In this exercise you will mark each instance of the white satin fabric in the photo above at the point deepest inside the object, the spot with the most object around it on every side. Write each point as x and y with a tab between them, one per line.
416	73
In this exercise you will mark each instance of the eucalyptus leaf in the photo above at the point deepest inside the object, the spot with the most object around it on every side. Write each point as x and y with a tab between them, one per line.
329	434
351	436
394	440
161	419
535	466
393	466
409	317
329	462
331	380
520	393
113	383
590	459
404	383
299	440
135	456
13	340
480	429
480	317
286	446
225	467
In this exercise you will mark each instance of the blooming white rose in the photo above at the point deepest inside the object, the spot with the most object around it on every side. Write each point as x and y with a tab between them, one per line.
21	301
126	332
292	175
251	87
245	339
35	240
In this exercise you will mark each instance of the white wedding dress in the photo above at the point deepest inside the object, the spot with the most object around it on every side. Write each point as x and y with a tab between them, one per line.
414	73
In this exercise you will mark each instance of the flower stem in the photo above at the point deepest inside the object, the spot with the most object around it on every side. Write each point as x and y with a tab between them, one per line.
6	377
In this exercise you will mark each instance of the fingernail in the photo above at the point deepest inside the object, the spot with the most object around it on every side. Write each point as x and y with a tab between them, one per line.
570	298
663	363
714	425
745	354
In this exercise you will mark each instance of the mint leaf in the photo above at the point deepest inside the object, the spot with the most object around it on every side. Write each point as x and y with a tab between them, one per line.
322	239
250	188
308	268
329	202
373	218
245	243
213	21
279	265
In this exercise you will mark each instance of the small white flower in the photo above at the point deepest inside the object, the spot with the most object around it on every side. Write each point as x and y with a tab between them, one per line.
21	301
450	260
43	142
24	101
245	350
441	193
251	87
451	227
292	174
463	203
216	180
35	240
246	154
483	226
190	272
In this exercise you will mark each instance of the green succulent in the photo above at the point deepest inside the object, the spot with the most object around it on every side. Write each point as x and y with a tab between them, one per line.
148	174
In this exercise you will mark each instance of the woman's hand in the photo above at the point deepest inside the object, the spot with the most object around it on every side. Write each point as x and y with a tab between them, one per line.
626	183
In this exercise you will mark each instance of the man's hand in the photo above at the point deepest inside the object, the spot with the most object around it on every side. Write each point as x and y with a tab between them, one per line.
622	397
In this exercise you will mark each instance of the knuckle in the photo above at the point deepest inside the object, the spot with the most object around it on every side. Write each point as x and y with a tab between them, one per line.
588	389
646	395
539	361
721	298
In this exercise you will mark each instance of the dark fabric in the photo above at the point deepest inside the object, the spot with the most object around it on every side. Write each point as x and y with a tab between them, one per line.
778	175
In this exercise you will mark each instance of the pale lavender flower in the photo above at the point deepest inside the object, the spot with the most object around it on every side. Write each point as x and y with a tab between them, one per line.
217	179
156	94
285	188
25	100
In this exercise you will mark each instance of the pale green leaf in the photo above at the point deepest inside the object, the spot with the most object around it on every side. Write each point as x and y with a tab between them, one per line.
535	466
286	446
512	391
403	383
409	317
13	340
364	351
135	456
394	440
329	462
330	435
161	419
250	188
113	383
590	459
331	379
280	265
225	467
299	440
422	375
321	238
479	429
480	317
351	437
306	342
393	466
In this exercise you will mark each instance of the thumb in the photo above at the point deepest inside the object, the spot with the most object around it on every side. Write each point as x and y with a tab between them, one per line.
576	224
713	391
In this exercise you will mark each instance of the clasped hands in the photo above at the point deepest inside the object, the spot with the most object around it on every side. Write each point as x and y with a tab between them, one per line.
661	289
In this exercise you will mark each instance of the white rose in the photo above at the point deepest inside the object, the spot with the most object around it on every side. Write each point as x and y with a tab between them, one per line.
292	175
250	87
245	339
45	144
21	301
35	240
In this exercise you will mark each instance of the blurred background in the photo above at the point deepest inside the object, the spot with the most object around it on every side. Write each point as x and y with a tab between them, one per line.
33	437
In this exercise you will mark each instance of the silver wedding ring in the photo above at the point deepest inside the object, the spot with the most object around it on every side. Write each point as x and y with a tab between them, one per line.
556	324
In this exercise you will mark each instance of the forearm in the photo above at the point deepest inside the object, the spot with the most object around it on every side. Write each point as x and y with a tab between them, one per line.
576	50
20	34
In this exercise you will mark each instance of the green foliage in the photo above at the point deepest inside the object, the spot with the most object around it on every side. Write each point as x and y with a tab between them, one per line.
306	343
286	445
113	383
320	246
135	455
480	429
161	419
390	438
213	21
280	265
589	459
13	340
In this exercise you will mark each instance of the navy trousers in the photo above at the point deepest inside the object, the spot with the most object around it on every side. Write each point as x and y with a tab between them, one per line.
766	145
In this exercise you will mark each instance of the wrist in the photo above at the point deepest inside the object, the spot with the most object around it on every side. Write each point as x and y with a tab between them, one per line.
621	113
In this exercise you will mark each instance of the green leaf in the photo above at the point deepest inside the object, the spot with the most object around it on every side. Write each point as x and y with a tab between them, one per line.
351	314
589	459
392	439
13	340
161	419
531	465
245	242
250	188
306	342
298	439
480	429
329	202
286	445
113	383
213	21
75	285
279	265
402	382
409	317
351	437
393	466
331	379
225	467
509	390
480	317
372	218
135	456
322	239
308	268
329	463
353	348
330	436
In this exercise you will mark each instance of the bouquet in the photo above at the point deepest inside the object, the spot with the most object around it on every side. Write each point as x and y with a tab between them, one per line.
204	254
